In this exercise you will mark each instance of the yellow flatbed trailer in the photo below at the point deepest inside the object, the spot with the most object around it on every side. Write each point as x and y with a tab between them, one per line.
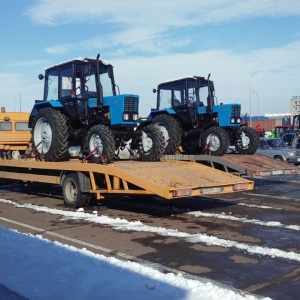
167	179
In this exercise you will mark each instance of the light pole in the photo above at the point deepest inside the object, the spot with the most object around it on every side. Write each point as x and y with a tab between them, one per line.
256	93
251	75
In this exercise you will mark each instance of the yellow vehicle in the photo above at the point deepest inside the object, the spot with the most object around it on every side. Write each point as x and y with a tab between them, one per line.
15	135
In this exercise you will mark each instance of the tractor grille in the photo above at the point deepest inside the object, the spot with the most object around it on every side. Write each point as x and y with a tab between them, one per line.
236	111
131	104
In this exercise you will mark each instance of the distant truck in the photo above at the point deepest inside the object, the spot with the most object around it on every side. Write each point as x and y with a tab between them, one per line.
15	134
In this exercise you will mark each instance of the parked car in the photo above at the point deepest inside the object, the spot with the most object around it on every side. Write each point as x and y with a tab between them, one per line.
276	148
288	138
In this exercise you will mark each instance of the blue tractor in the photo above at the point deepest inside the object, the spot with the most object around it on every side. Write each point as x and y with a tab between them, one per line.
188	115
81	108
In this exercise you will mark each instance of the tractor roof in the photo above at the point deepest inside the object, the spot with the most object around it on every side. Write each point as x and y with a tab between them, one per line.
183	79
79	59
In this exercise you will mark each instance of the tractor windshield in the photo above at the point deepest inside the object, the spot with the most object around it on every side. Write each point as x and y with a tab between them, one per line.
189	91
86	77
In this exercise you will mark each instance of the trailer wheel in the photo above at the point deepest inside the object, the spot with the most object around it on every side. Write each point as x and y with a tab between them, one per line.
50	134
101	140
216	141
152	144
73	197
249	141
171	132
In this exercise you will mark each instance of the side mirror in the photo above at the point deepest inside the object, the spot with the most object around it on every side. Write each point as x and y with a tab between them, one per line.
41	77
154	90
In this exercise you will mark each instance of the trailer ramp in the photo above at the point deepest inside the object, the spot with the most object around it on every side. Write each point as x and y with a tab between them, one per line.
245	165
167	179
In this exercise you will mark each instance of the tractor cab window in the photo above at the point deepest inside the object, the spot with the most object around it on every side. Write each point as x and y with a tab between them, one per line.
106	84
51	86
203	94
172	95
165	97
199	92
179	94
86	80
66	82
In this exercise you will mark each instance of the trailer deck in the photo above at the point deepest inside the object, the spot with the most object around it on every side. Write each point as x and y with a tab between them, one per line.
245	165
167	179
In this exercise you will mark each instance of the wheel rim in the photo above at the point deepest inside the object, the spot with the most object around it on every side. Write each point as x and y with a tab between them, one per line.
213	141
245	140
165	134
96	143
42	135
147	143
71	191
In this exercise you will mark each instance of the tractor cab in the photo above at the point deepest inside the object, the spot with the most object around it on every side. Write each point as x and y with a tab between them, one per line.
184	96
189	91
75	85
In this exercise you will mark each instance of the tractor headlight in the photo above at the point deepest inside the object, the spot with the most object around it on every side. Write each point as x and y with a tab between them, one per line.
234	120
125	117
135	117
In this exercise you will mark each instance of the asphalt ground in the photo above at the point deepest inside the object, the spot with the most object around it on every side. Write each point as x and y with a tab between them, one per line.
243	218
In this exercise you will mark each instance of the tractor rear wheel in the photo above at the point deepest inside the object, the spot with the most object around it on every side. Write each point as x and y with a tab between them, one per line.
152	144
249	141
216	141
171	132
99	141
50	135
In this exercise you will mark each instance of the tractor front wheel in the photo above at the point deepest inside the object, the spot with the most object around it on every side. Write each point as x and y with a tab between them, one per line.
152	144
249	141
99	143
171	132
215	141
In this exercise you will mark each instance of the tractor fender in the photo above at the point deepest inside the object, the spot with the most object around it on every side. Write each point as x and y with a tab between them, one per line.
167	111
40	105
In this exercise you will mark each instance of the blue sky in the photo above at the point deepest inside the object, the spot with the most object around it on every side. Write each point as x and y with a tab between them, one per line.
153	41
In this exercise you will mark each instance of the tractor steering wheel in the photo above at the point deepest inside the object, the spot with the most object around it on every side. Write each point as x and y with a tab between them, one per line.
190	100
78	90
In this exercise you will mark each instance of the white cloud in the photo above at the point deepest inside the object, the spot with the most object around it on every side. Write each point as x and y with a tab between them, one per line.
275	83
157	13
276	75
148	26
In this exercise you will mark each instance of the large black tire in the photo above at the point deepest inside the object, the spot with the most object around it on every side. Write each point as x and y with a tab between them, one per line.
152	144
50	134
73	197
171	132
101	138
191	145
251	141
216	140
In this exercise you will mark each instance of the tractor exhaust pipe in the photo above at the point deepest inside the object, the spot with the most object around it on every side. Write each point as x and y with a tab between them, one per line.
99	85
210	98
